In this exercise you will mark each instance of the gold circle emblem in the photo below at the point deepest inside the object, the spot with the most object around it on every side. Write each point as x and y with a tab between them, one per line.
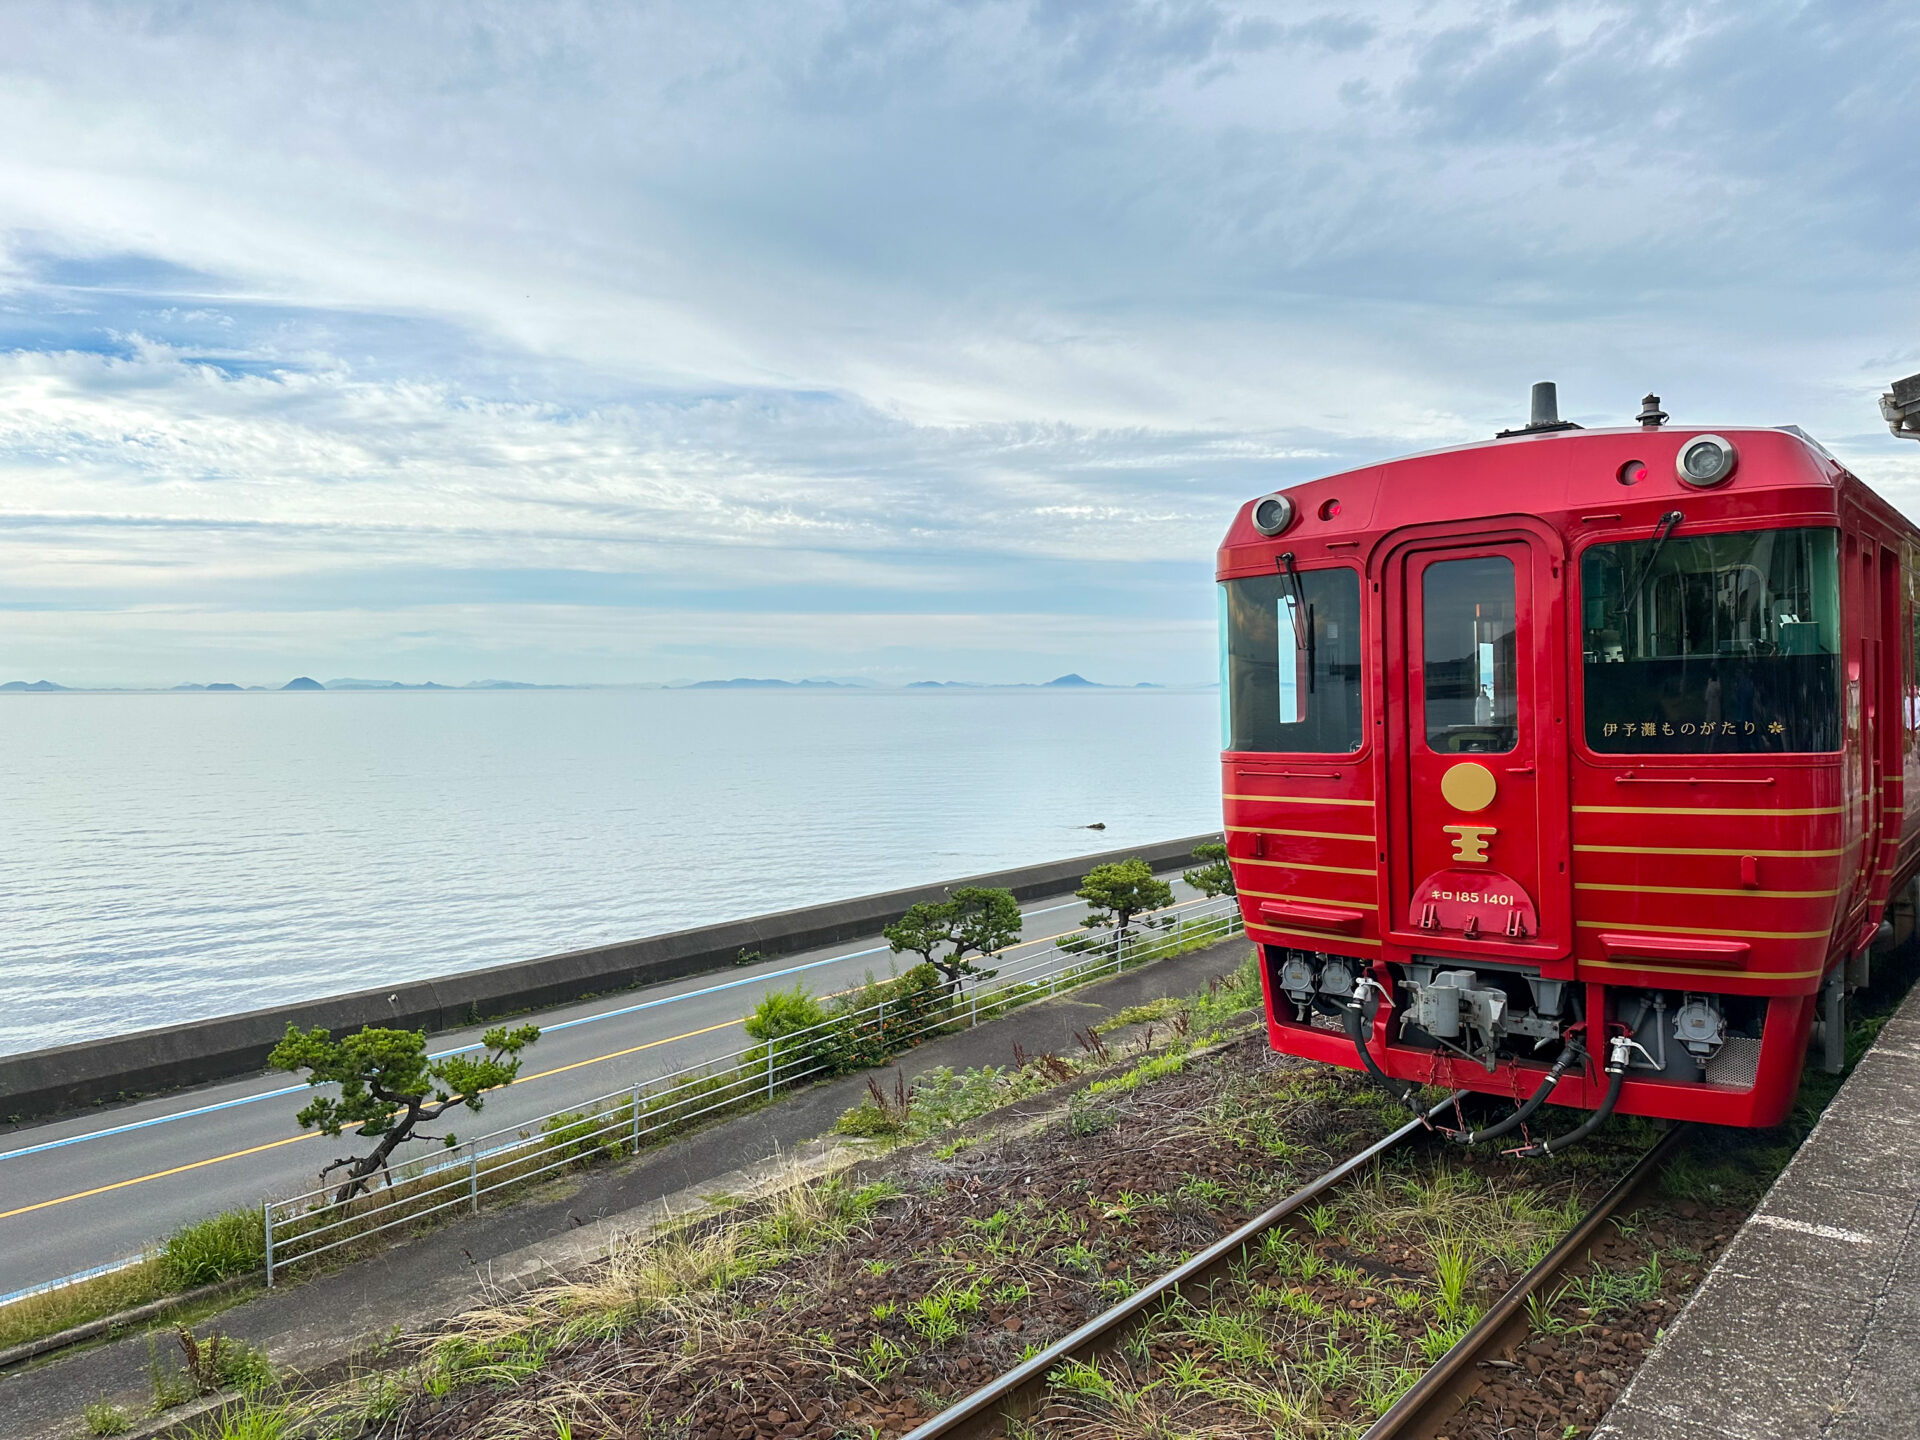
1468	786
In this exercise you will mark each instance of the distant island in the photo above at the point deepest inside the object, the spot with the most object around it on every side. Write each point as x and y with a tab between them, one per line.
1062	682
750	684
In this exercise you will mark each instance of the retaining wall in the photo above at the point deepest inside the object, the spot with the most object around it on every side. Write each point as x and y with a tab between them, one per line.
43	1082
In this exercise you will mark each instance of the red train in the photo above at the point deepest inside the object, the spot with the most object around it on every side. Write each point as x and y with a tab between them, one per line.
1577	765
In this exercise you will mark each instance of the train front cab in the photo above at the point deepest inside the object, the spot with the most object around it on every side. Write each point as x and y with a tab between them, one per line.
1592	771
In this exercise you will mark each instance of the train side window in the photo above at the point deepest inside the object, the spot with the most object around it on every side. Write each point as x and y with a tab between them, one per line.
1290	663
1723	643
1471	656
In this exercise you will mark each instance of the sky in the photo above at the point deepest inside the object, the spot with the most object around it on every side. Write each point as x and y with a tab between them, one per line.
633	343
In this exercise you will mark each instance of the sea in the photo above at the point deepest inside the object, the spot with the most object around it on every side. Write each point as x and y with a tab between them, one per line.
167	857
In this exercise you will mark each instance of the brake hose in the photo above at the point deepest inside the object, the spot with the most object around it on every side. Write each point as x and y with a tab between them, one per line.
1564	1061
1622	1049
1403	1091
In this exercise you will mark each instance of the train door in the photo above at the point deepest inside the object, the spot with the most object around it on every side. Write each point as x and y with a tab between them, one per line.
1477	744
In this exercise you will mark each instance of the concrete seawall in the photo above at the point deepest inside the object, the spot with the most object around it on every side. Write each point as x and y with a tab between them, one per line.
44	1082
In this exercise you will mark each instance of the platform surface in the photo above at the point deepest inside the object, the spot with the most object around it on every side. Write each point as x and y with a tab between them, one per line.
1809	1324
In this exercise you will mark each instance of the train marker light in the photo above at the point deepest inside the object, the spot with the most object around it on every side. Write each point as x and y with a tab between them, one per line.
1706	460
1272	514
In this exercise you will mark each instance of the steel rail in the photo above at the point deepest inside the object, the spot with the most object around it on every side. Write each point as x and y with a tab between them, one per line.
1016	1393
1437	1396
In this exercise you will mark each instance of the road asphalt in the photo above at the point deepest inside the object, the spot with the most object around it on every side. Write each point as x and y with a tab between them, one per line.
93	1188
320	1321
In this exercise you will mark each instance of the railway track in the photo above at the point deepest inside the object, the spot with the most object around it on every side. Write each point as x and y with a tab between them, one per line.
1432	1400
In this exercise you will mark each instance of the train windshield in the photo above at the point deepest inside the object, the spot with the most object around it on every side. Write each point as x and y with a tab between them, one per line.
1472	655
1713	643
1290	662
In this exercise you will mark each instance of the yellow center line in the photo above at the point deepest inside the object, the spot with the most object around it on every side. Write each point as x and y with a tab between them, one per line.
616	1054
519	1080
157	1175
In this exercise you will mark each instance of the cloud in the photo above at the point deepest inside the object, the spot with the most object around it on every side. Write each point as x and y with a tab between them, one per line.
876	308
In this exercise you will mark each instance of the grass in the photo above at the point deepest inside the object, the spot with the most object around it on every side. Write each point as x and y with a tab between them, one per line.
207	1251
944	1098
103	1418
940	1318
1156	1067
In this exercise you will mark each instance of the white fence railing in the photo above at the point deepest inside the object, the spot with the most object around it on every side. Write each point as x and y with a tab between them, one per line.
314	1223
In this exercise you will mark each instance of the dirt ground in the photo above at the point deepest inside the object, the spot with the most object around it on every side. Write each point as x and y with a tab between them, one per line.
944	1265
1563	1379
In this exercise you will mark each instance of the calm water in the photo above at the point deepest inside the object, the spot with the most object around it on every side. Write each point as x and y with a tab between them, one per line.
167	857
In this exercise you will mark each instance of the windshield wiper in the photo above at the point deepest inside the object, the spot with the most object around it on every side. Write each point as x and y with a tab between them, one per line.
1302	616
1669	522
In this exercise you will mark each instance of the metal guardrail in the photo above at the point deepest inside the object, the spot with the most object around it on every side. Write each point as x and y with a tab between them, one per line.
314	1223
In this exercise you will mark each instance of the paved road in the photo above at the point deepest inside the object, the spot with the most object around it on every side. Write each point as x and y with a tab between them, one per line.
88	1190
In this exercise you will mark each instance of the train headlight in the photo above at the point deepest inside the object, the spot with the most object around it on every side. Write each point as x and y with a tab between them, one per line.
1272	514
1706	460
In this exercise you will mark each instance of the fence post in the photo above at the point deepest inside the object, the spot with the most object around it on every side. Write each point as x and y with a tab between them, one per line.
770	1049
973	1001
266	1221
473	1175
636	1117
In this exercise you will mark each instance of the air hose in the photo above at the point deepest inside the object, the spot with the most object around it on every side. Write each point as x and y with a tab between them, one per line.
1622	1048
1403	1091
1563	1062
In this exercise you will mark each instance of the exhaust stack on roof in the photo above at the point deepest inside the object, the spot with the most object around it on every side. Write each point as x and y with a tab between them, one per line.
1544	412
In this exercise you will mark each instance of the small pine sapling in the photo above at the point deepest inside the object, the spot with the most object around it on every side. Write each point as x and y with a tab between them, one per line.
1117	892
983	921
389	1088
973	921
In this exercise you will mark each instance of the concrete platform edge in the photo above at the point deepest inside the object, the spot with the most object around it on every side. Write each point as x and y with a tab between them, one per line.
1808	1325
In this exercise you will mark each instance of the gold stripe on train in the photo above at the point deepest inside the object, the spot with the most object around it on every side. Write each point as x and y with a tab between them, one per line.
1313	899
1655	967
1635	927
1302	865
1691	890
1300	834
1325	937
1671	850
1700	810
1300	800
